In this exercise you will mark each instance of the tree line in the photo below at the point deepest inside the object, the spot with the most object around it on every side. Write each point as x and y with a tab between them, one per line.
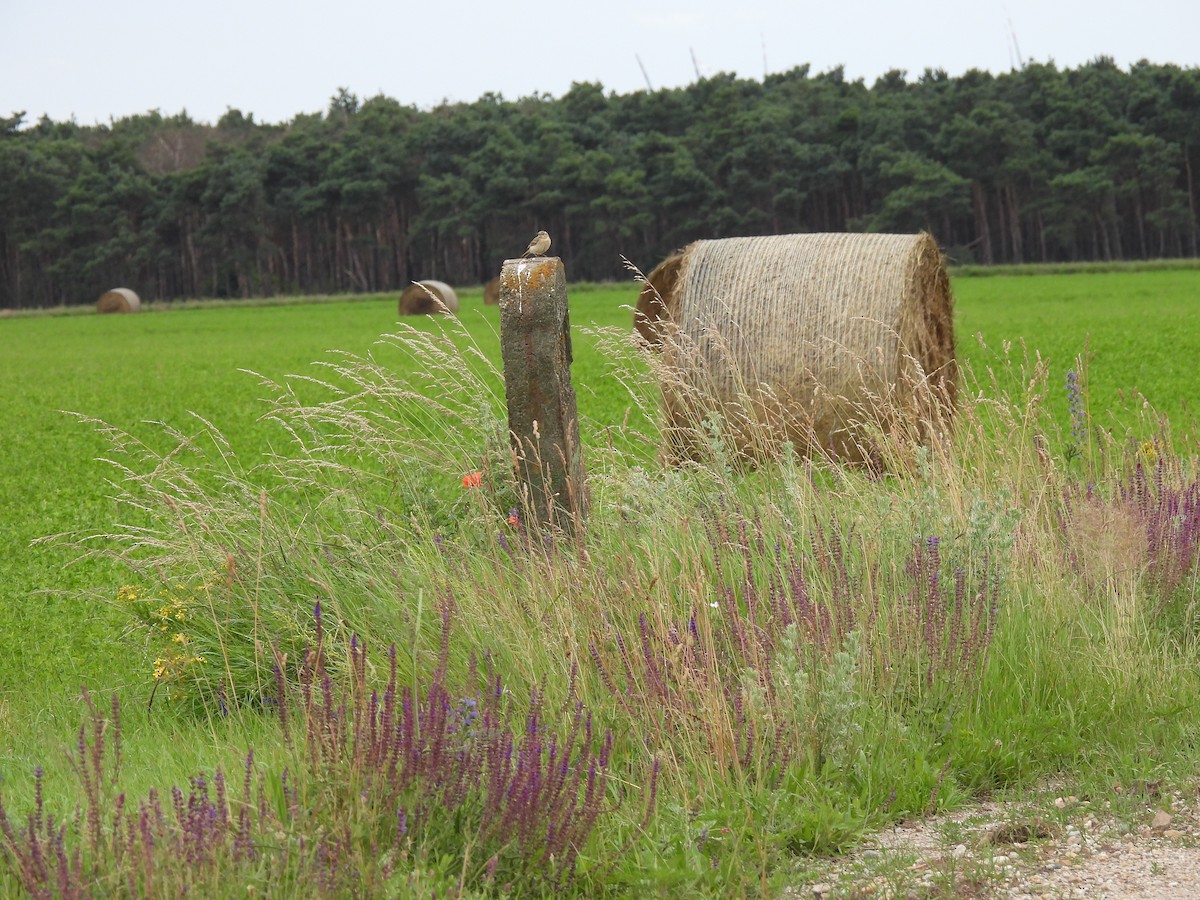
1037	164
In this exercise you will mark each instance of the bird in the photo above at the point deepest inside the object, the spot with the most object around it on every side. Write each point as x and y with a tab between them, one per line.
538	246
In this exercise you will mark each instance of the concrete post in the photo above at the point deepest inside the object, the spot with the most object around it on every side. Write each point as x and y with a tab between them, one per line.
535	340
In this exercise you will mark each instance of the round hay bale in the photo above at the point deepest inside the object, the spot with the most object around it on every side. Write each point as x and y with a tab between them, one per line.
823	340
491	292
416	299
119	300
653	303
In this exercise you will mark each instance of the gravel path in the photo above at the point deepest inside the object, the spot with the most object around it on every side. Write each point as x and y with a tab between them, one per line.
1062	848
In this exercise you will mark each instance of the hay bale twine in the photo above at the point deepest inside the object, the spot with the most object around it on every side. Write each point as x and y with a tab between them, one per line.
416	299
491	292
824	340
653	305
119	300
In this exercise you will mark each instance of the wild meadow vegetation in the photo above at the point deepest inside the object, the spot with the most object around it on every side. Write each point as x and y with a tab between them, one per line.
326	652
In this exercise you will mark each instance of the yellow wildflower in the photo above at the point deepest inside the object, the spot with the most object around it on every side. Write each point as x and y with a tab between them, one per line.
1148	451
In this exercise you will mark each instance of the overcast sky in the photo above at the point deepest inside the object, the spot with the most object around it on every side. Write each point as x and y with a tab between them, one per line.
99	60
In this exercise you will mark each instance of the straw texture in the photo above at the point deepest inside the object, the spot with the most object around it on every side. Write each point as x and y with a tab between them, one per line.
812	338
653	306
491	292
119	300
415	301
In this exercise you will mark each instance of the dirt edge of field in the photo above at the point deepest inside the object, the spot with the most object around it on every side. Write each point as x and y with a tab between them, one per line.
1141	843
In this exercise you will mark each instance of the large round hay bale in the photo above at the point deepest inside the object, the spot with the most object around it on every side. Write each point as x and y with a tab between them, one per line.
824	340
491	292
417	300
119	300
652	303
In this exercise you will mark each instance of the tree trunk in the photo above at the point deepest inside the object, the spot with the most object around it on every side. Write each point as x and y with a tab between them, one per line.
1100	231
982	230
396	276
1014	225
354	267
193	263
295	267
1004	254
1191	193
1139	219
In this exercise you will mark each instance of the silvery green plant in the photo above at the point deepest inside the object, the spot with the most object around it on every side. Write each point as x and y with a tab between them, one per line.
840	703
990	528
791	680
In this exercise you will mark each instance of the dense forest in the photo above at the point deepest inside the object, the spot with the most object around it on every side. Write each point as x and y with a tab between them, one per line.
1037	164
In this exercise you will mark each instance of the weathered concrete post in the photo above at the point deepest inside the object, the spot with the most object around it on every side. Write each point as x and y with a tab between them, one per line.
535	339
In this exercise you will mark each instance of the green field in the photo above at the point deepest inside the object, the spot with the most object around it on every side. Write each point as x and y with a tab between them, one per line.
1141	331
1138	326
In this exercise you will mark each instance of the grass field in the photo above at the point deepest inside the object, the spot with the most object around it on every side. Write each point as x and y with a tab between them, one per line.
1141	331
1138	326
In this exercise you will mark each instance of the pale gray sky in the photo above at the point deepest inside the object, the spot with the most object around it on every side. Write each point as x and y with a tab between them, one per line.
94	60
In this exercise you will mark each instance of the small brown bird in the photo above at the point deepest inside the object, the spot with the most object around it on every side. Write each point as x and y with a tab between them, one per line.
538	246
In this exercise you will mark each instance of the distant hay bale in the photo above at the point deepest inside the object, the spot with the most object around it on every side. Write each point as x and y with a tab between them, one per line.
416	299
119	300
652	302
491	292
823	340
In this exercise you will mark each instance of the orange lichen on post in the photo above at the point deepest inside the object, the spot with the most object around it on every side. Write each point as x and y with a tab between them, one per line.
526	274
